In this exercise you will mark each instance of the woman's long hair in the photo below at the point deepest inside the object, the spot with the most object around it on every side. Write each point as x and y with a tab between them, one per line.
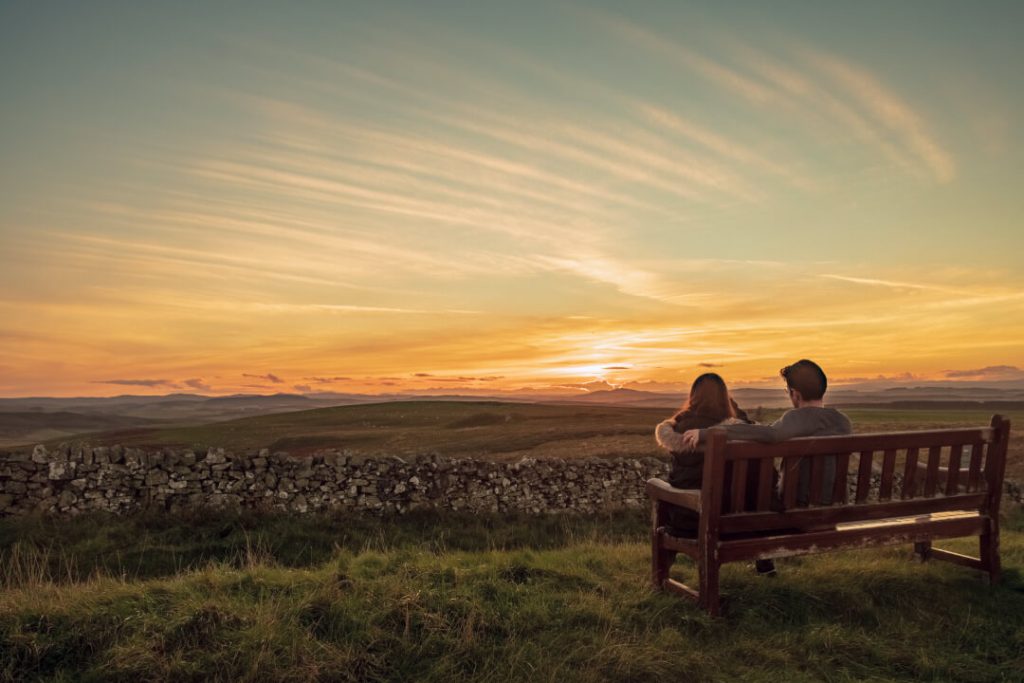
709	397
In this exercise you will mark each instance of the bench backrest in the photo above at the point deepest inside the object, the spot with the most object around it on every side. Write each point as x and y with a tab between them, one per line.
897	473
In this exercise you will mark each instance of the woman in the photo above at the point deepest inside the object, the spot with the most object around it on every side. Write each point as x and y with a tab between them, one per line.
708	405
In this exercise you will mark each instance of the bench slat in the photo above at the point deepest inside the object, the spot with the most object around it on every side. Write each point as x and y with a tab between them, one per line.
955	558
739	486
817	474
839	491
824	445
764	485
682	589
931	478
790	481
819	541
953	475
864	476
802	518
687	546
910	474
974	472
888	468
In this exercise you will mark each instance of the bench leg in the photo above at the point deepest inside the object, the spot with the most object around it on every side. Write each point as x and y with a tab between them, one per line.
661	560
989	547
922	550
708	568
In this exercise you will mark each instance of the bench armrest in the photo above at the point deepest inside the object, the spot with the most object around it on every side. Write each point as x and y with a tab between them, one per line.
659	489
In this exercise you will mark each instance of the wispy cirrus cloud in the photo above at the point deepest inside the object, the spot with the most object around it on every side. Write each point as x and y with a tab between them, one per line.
731	150
198	384
818	87
988	372
270	377
893	284
595	385
137	382
710	69
889	110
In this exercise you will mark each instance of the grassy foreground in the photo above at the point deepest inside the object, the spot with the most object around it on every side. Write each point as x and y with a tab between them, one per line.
232	596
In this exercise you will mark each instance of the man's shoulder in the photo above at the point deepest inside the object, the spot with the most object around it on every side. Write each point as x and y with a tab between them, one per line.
818	421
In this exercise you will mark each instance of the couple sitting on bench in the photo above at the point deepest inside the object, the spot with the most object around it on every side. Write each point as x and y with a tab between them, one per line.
709	405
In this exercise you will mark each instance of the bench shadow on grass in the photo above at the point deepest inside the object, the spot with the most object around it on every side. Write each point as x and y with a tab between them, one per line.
855	587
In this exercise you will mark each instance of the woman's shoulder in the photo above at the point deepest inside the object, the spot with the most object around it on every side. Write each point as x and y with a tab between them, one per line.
685	421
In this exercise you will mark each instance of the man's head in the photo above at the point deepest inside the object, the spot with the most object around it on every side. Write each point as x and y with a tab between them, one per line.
805	381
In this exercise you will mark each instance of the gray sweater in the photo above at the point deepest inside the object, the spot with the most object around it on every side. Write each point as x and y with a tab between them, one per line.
807	421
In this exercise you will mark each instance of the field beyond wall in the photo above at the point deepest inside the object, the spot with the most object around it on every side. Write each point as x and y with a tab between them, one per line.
499	431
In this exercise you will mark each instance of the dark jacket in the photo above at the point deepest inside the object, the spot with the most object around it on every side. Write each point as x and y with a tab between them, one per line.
687	470
687	467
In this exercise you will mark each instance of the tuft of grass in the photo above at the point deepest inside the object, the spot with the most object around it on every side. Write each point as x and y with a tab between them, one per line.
441	598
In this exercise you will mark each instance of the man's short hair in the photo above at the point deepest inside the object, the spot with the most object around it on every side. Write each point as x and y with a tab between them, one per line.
807	377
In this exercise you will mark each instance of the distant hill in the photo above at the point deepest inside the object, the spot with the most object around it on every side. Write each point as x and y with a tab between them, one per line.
994	406
459	428
31	426
621	397
153	410
42	419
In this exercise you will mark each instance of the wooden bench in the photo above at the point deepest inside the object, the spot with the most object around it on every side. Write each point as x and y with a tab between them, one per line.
952	481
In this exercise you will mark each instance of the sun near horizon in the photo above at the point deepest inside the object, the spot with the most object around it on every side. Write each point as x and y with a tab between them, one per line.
453	197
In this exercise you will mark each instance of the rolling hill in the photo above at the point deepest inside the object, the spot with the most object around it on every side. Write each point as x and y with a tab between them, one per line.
498	430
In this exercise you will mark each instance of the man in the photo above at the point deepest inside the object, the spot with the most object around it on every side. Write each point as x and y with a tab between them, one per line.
806	384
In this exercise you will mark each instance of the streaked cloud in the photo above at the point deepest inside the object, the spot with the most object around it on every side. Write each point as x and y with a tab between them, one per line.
137	382
989	372
894	284
889	110
821	87
198	384
596	385
269	377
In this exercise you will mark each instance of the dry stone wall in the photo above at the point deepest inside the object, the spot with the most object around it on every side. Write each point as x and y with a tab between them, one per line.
69	480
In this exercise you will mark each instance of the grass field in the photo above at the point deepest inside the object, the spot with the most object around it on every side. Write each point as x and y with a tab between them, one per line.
501	431
442	598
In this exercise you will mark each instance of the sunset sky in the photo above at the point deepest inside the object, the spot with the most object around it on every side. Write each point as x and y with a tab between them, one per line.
376	197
